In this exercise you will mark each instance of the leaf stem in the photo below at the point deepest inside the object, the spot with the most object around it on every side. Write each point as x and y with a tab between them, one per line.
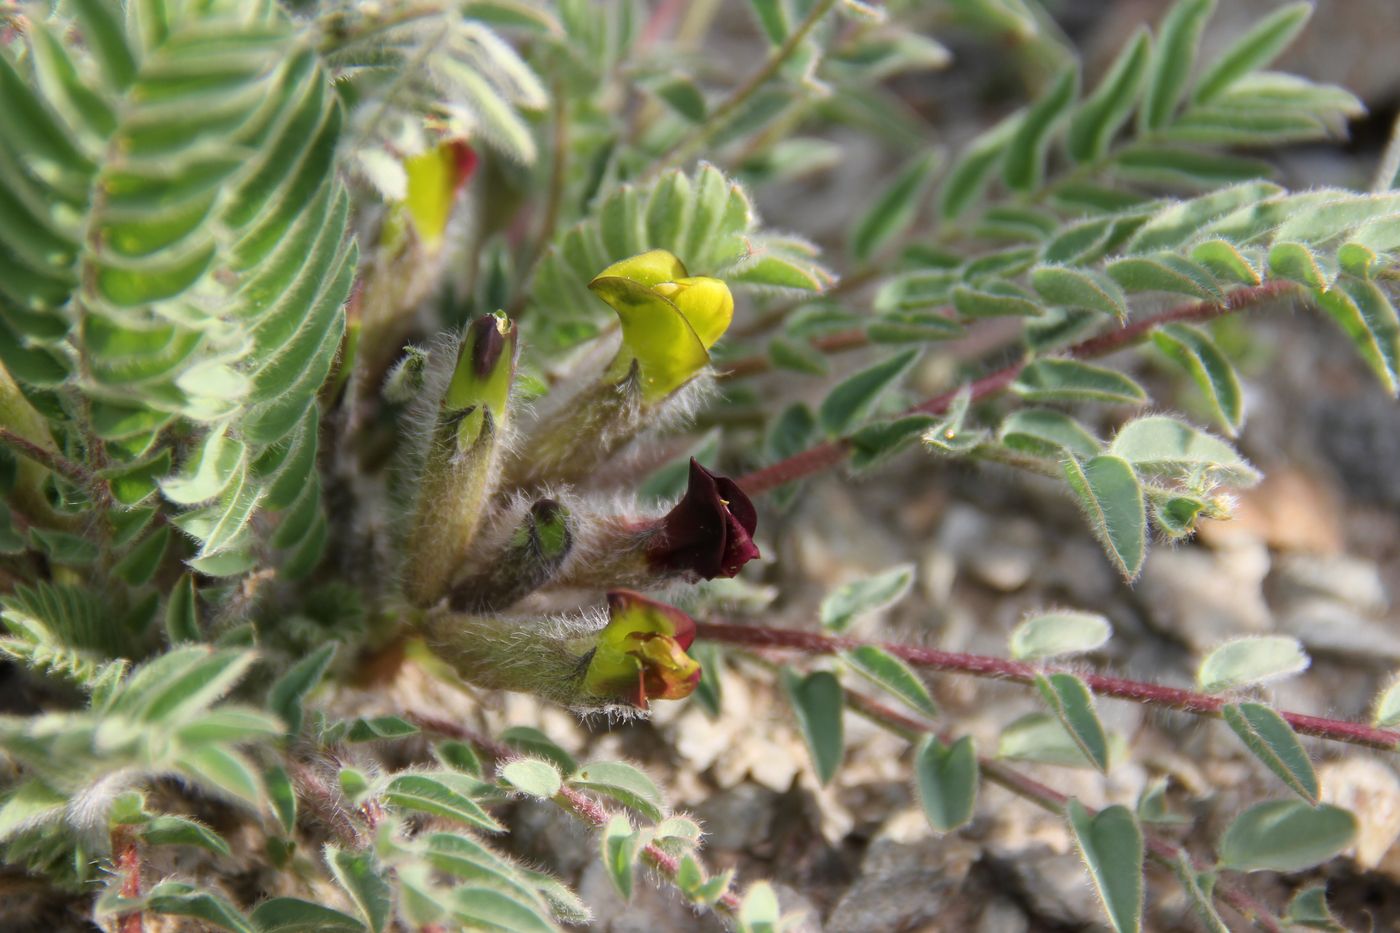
54	461
1047	798
740	96
977	665
829	454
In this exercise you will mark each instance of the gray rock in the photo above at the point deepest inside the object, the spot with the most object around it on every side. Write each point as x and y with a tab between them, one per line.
1203	597
905	885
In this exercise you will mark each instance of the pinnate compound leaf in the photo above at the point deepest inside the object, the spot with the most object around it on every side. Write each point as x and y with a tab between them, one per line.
625	783
852	400
847	602
895	208
1112	500
1055	380
532	776
818	702
1111	845
1101	116
1072	702
893	675
1173	60
1255	49
1193	349
1286	835
361	877
1245	662
1269	737
1055	634
946	777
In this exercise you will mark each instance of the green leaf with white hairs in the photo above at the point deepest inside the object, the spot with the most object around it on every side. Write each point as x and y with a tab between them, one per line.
946	779
853	399
1173	61
622	846
895	209
1297	262
1069	287
995	299
167	829
534	743
1056	380
1198	887
1023	168
287	697
1309	909
178	899
1246	662
1286	836
1111	844
1193	349
625	783
1044	432
1111	498
1104	112
759	911
362	877
1071	701
1160	445
293	915
1042	738
818	702
967	179
893	675
877	442
1254	50
1387	712
440	794
1056	634
848	602
1272	740
1162	164
1165	272
532	776
1226	262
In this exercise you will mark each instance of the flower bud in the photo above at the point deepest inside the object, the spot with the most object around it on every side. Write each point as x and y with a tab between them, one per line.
530	558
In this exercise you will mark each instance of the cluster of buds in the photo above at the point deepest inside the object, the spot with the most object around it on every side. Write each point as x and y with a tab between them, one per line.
500	523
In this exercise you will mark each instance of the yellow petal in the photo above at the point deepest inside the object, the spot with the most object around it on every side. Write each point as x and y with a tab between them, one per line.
655	333
650	268
706	303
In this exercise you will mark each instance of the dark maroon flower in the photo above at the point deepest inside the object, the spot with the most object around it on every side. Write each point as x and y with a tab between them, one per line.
710	531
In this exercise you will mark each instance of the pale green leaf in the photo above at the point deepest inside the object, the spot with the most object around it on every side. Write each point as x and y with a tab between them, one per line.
818	702
1112	500
1286	836
1072	702
946	778
1111	845
1055	634
1266	734
893	675
1245	662
852	400
843	605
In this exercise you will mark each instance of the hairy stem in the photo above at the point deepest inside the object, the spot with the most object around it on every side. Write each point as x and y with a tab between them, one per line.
727	108
127	855
1047	798
977	665
829	454
571	800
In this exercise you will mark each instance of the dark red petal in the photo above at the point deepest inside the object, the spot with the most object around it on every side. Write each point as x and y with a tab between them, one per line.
709	532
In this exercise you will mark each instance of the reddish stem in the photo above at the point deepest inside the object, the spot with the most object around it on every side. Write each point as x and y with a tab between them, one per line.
830	453
581	804
127	856
1048	798
978	665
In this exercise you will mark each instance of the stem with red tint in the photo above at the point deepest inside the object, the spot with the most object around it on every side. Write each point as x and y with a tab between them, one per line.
977	665
826	455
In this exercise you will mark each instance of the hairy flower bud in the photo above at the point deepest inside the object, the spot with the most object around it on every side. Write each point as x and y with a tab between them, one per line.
531	556
460	463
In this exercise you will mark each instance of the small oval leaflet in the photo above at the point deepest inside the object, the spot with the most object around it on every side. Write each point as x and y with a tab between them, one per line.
1053	634
1248	661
